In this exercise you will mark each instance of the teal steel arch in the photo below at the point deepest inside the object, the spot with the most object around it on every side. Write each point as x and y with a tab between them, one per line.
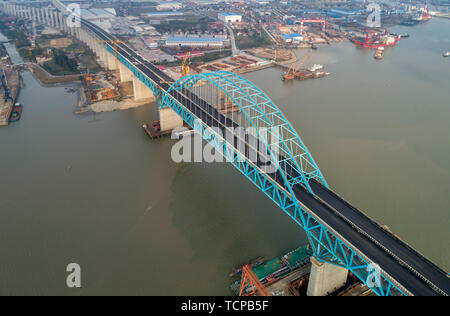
262	114
198	111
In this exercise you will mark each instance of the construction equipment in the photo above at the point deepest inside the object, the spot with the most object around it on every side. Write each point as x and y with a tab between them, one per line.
116	59
185	65
250	279
293	70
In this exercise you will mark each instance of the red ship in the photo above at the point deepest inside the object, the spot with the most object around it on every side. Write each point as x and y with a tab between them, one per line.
377	40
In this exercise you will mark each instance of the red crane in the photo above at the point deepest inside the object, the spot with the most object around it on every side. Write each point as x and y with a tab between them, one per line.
250	279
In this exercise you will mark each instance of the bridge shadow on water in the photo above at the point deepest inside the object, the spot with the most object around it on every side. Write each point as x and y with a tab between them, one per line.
227	222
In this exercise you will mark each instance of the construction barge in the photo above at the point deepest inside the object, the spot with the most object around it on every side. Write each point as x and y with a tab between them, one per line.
153	130
269	272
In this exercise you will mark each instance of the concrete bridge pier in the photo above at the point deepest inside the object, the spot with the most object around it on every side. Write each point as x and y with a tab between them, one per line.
35	16
125	74
141	91
169	119
110	61
47	16
325	278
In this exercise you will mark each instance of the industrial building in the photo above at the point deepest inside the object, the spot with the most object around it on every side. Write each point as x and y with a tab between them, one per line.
194	41
293	37
229	17
164	14
169	6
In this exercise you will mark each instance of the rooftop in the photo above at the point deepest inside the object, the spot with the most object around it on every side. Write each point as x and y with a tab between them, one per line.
229	14
194	39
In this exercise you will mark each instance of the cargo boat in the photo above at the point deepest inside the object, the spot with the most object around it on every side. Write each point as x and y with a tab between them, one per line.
16	113
273	270
379	53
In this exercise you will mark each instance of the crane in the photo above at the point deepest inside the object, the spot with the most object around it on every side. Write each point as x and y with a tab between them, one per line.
185	66
249	278
114	42
292	71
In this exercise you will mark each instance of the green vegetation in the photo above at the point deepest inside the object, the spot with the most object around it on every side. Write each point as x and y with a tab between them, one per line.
257	39
206	58
61	64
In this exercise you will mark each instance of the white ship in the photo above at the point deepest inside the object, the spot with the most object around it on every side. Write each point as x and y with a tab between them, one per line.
315	67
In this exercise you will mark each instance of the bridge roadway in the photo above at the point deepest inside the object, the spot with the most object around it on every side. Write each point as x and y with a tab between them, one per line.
405	265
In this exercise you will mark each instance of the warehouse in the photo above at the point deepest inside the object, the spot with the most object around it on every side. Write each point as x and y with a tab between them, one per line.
194	41
229	17
169	6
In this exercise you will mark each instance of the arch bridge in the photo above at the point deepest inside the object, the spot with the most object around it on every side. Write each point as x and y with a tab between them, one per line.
248	129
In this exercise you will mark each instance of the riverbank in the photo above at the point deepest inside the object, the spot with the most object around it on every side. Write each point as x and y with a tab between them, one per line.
45	77
111	105
11	83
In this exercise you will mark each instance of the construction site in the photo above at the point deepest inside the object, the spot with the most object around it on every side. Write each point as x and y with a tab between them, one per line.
295	70
287	275
10	81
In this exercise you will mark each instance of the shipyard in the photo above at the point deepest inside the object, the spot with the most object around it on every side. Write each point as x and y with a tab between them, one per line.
95	106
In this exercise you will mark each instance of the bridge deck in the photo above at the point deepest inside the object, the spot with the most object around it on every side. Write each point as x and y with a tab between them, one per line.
382	247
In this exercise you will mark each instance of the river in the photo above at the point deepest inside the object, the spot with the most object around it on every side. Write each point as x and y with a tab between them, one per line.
95	190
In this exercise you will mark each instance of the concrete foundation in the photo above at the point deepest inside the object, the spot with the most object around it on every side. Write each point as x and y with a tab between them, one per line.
325	278
169	119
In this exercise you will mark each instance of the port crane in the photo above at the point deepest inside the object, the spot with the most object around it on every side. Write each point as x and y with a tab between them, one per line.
250	279
302	21
292	71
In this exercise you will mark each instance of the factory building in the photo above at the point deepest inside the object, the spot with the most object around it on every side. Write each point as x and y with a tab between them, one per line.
194	42
169	6
292	38
229	17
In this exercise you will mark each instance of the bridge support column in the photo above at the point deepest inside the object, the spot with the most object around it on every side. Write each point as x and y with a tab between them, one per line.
34	13
102	55
47	16
169	119
111	62
325	278
141	91
125	73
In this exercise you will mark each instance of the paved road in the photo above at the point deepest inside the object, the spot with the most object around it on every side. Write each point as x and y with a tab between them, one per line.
402	263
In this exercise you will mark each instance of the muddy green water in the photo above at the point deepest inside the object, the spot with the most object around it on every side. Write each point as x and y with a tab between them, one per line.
93	189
